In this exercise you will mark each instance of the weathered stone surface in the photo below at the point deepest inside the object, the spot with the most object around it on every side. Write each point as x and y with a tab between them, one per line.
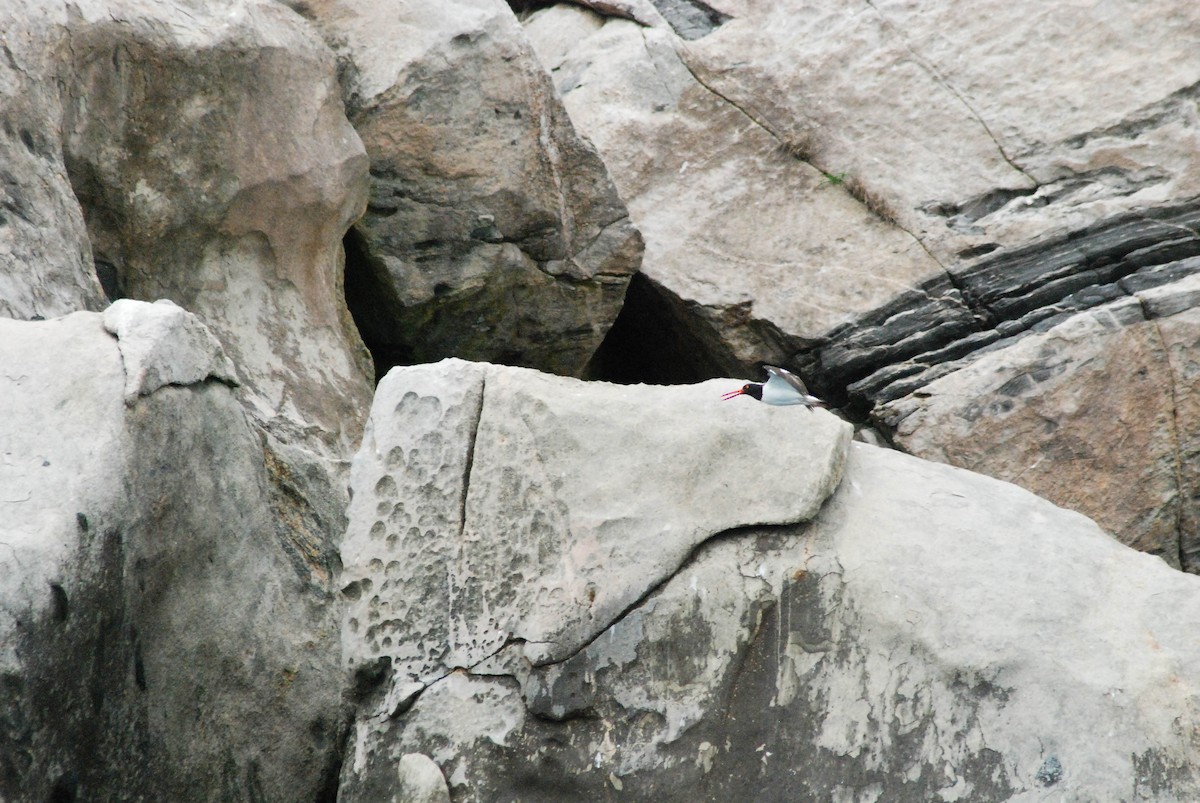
1095	413
756	249
934	635
164	344
497	505
420	781
914	336
493	230
156	640
45	257
215	166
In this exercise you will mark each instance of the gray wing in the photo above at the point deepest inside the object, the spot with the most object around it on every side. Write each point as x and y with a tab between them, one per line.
775	372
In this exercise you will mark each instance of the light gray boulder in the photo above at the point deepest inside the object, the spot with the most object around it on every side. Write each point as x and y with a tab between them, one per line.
496	506
932	634
164	344
161	634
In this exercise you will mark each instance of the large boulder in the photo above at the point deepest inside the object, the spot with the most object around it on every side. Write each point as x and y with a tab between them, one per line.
493	230
752	248
931	634
497	506
215	167
161	636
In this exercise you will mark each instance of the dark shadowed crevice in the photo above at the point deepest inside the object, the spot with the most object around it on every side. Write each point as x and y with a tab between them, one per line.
651	342
369	298
691	19
529	6
110	279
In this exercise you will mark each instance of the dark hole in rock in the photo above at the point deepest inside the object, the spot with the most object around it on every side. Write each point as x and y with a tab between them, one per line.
370	298
651	342
110	279
64	789
370	676
529	6
139	664
61	609
691	19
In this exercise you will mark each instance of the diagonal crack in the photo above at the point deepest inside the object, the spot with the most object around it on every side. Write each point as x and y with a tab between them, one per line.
760	120
938	78
691	557
1177	444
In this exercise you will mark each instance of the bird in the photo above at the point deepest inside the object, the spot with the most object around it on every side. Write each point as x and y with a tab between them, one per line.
781	388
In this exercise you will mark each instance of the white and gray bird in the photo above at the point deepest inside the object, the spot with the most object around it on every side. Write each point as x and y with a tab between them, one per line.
781	388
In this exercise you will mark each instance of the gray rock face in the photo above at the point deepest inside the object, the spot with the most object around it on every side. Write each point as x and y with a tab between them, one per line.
497	506
181	139
493	230
45	257
933	634
150	609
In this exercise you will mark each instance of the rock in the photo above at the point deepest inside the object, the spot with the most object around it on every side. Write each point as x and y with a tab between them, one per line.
1017	217
493	230
934	634
215	167
163	344
495	506
1092	413
752	249
153	625
420	781
45	257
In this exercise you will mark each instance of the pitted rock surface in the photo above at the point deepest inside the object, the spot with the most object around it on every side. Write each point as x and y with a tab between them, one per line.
494	505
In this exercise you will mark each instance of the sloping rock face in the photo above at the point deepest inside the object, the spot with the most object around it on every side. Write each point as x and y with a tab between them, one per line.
929	634
45	256
158	638
216	168
1020	212
493	230
537	511
753	249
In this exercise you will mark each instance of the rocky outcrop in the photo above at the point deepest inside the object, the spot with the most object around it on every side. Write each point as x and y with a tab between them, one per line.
752	250
493	230
179	133
930	634
1019	215
157	638
545	589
